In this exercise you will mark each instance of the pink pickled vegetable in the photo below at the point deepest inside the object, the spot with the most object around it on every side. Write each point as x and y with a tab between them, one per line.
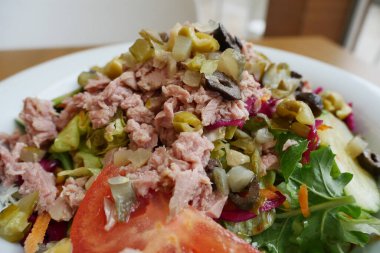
237	215
313	139
318	90
249	105
222	123
350	120
268	107
270	204
49	165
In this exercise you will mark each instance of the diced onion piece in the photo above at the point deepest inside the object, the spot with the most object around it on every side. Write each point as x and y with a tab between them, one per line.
138	158
123	195
192	78
235	158
219	177
231	63
263	136
217	134
356	146
182	48
32	154
238	178
208	67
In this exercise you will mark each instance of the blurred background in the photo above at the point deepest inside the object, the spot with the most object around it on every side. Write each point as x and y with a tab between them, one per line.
32	24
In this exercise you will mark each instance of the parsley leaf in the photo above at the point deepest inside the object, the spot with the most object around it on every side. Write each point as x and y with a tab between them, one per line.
291	156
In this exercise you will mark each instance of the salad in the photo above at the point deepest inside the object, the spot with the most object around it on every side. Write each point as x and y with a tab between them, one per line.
190	141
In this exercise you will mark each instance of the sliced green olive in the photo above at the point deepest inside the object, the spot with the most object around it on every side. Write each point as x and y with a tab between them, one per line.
141	50
298	110
186	122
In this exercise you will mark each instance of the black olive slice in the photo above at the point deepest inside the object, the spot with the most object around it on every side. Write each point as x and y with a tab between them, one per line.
248	201
296	75
314	101
225	39
224	85
370	162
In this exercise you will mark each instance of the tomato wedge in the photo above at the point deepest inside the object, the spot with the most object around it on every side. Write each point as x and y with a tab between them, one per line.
148	228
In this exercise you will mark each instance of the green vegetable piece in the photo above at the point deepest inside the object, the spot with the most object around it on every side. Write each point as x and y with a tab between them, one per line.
290	156
83	79
87	160
195	63
219	177
65	160
317	174
209	67
123	195
151	36
114	129
141	50
182	48
230	132
14	219
298	110
246	144
275	74
68	139
231	63
79	172
192	78
186	122
201	42
114	68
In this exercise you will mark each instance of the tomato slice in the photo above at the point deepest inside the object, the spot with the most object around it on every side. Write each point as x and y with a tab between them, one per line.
148	228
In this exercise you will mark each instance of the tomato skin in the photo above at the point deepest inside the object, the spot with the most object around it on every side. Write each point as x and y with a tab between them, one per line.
149	228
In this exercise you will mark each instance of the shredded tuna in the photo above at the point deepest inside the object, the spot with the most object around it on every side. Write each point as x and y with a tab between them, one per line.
37	179
150	78
178	92
193	148
129	80
71	107
64	207
95	85
141	135
269	161
38	116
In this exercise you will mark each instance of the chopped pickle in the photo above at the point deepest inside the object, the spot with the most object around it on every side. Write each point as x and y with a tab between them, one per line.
14	219
182	48
68	139
235	158
186	122
128	59
292	109
195	63
219	177
141	50
201	42
230	132
245	144
209	67
87	160
113	68
32	154
151	36
275	74
79	172
256	68
85	76
63	246
192	78
231	63
334	102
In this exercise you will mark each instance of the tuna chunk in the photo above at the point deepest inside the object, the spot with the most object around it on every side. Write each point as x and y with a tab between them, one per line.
73	192
150	78
269	161
96	85
38	116
190	185
178	92
71	108
193	148
144	180
129	80
37	179
9	168
141	135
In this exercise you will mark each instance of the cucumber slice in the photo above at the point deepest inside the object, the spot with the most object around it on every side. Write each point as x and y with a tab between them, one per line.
362	187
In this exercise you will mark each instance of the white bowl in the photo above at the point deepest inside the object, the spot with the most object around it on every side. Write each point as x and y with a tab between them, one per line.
56	77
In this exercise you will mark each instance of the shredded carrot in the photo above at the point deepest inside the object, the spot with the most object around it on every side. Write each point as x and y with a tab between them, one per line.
304	200
37	234
323	127
268	194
